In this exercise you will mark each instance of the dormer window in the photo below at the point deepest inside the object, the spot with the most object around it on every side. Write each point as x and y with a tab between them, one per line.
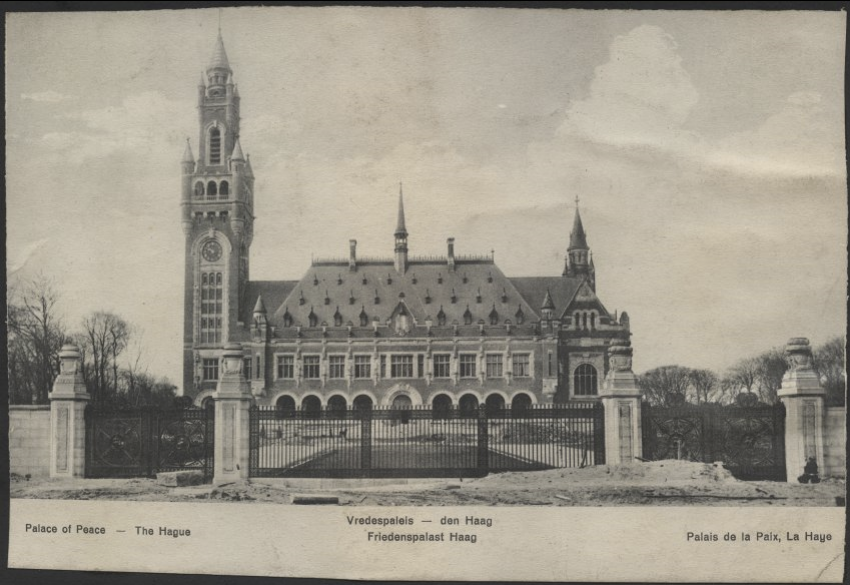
467	316
287	319
312	318
337	318
441	317
520	316
364	318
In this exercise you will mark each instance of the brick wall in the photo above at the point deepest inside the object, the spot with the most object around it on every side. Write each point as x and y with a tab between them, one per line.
29	440
834	437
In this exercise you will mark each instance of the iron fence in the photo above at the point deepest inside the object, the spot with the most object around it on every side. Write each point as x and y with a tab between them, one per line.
423	442
141	442
749	440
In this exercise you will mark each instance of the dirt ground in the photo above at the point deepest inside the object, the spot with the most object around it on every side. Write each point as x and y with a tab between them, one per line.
658	483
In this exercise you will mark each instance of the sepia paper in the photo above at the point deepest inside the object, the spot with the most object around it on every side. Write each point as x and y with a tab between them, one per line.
705	149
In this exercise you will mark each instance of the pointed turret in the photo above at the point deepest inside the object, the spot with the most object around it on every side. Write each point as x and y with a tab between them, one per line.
237	152
400	236
188	157
260	307
548	307
578	253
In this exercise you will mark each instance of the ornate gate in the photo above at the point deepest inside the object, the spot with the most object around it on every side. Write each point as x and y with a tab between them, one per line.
749	440
141	442
423	442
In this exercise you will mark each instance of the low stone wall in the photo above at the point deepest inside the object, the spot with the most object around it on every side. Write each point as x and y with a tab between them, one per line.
29	440
834	438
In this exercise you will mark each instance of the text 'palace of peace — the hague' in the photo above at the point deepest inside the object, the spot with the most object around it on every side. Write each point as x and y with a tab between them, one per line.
399	331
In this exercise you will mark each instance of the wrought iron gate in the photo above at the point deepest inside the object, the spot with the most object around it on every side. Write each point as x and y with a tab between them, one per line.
423	442
141	442
749	440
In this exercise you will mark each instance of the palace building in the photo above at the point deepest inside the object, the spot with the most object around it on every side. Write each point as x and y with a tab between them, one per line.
402	331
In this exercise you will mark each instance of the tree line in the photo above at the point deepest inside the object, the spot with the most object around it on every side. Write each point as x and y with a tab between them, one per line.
110	348
754	379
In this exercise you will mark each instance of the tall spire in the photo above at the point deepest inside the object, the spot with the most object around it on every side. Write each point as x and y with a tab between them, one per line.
400	227
578	239
400	237
219	56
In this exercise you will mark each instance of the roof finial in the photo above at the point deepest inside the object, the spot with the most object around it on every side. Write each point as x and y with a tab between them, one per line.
576	201
219	22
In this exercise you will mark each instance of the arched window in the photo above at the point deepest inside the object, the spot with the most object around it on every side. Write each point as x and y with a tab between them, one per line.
364	318
215	146
212	190
494	404
207	402
287	319
585	380
312	319
593	320
467	316
442	405
285	407
363	402
199	189
520	404
224	190
494	316
584	321
468	404
402	404
577	320
337	318
337	406
520	316
311	406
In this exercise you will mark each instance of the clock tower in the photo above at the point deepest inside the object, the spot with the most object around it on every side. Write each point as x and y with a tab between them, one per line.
217	215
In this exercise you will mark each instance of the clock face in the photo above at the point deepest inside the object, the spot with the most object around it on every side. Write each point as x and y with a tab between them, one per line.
211	251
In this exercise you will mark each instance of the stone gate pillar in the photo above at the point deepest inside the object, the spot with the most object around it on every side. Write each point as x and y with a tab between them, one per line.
233	401
68	402
621	399
803	397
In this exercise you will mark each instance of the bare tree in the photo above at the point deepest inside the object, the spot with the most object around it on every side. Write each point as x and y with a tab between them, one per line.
743	376
665	386
830	364
706	386
35	336
104	338
770	367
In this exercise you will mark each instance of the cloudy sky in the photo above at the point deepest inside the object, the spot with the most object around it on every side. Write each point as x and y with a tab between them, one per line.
707	149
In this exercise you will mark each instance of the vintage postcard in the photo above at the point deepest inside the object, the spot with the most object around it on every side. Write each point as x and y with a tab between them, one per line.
428	293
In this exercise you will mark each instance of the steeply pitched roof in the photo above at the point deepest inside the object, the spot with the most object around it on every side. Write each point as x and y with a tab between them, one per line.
272	291
426	289
187	153
561	290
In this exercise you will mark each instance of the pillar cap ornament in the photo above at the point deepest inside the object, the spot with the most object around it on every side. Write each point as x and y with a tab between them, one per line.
801	379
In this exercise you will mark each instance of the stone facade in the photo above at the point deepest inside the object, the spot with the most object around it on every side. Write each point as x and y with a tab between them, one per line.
835	442
399	330
29	440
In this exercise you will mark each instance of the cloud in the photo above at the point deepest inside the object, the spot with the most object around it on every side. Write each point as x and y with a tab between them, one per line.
638	107
142	124
48	96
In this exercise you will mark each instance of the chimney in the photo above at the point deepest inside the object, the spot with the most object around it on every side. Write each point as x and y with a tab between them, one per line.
352	255
451	253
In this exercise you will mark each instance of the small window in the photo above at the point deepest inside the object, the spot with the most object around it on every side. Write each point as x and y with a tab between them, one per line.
401	366
494	365
521	366
420	366
441	318
286	367
467	365
467	316
362	366
364	318
311	367
246	367
224	190
585	380
337	318
210	369
383	366
442	365
215	146
336	366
